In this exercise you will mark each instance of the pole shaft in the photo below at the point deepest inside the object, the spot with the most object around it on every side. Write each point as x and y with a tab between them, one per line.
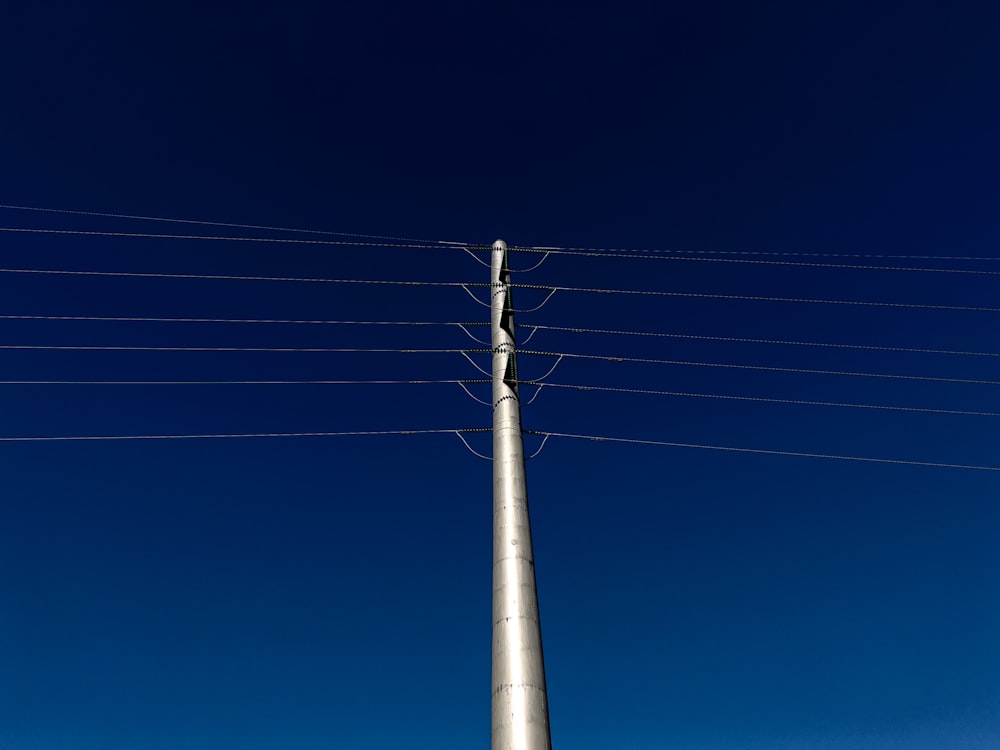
520	706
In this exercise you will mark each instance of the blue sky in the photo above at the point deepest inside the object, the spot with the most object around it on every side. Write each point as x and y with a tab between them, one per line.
300	593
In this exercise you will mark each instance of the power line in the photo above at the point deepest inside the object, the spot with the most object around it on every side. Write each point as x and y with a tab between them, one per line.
763	368
404	242
230	277
783	342
798	264
753	298
399	242
466	430
606	252
339	350
615	250
762	451
48	438
552	289
561	355
761	399
471	381
215	223
137	319
532	326
209	237
244	382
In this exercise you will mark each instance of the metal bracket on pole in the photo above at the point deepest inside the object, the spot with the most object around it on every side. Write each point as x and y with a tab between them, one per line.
520	710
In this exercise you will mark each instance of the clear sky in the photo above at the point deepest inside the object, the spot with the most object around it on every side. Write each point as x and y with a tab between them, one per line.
308	593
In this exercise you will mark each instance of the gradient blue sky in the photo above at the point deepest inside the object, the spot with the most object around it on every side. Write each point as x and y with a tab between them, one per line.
334	593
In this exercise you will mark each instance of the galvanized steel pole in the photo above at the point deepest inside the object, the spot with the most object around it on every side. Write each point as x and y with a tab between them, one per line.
520	703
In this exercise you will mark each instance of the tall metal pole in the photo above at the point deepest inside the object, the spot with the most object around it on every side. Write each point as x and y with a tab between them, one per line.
520	703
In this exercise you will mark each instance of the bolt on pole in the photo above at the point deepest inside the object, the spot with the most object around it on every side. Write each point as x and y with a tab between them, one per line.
520	707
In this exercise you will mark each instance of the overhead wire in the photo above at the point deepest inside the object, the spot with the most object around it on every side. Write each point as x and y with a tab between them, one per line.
753	298
339	350
533	327
461	383
763	451
402	242
767	400
606	252
467	352
736	339
232	277
466	430
218	238
538	383
247	382
799	264
614	251
551	289
536	308
215	223
762	368
139	319
346	433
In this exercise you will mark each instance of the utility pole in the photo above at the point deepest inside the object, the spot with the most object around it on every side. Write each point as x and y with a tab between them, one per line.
520	705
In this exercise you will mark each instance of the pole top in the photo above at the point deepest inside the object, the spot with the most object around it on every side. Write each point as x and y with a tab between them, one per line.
499	245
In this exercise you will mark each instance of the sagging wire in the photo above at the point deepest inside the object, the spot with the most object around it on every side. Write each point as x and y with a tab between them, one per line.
531	310
216	238
469	334
767	452
472	450
782	342
232	277
756	298
677	255
351	433
475	398
761	368
615	252
544	441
